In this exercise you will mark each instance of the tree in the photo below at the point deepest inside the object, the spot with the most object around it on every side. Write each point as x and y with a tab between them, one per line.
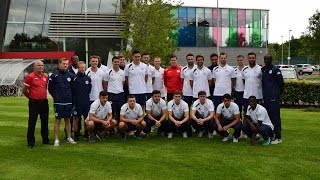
313	35
151	27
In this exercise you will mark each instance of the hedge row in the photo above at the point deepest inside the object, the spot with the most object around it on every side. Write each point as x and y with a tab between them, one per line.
301	93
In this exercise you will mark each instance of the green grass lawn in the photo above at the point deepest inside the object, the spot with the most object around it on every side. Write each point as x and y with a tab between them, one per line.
157	157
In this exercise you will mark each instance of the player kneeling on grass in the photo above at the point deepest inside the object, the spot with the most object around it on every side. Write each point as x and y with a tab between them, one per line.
100	119
178	116
203	115
156	113
228	116
131	118
257	121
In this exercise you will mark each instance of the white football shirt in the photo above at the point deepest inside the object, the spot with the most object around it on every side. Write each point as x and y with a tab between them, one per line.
203	109
253	82
158	81
156	108
99	110
178	110
260	114
129	113
136	77
239	81
115	81
228	113
96	81
151	74
185	74
200	79
223	76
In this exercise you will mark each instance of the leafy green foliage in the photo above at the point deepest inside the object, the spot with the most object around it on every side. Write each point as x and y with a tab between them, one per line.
296	91
151	27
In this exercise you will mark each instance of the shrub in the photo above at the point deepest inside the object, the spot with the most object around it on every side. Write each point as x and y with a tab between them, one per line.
297	92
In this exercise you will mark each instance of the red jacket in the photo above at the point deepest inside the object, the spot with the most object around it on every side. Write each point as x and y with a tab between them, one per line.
172	79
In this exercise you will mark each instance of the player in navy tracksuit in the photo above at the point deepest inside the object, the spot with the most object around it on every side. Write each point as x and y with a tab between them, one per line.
272	86
60	90
81	88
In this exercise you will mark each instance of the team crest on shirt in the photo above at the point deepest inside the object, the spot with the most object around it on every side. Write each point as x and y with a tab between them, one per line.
87	82
178	71
44	79
75	113
68	79
270	72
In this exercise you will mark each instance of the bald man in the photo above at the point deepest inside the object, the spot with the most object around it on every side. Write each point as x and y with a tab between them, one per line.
35	89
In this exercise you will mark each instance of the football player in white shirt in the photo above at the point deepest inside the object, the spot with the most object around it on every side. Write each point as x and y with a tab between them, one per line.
228	116
151	74
252	78
158	76
178	116
156	109
185	77
203	115
114	86
97	76
100	119
136	74
239	87
104	68
131	118
257	121
200	78
224	79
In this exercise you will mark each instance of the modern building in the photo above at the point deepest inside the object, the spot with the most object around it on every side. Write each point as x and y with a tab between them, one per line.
91	27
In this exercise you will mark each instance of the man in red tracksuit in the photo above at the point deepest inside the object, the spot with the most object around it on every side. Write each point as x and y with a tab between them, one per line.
171	78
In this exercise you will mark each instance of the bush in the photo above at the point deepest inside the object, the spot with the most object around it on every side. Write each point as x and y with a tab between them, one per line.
301	92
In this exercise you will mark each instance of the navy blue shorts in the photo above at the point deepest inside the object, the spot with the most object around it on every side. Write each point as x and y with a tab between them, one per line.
188	100
81	111
140	99
131	127
62	111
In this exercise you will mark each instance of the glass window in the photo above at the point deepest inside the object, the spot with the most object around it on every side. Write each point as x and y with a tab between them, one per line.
174	12
208	16
101	47
90	5
225	17
241	18
264	18
53	6
17	10
233	37
32	29
216	13
263	37
73	6
35	11
108	6
249	19
248	41
78	46
208	41
200	36
191	16
233	18
241	36
256	37
187	36
256	19
225	37
183	16
216	31
200	17
12	30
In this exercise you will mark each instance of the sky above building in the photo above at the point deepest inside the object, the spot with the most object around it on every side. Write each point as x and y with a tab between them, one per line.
283	15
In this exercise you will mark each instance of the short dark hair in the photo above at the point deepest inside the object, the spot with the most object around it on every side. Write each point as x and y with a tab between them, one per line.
199	56
177	93
155	92
252	53
252	97
145	54
227	96
114	57
240	56
213	55
189	54
200	93
103	93
130	96
74	57
135	52
94	57
267	56
120	56
223	53
173	56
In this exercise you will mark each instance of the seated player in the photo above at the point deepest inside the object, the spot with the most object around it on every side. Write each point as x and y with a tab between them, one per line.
257	121
228	116
131	118
203	115
156	113
100	121
178	116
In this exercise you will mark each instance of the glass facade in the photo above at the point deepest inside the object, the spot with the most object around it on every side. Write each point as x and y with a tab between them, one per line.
28	24
207	27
